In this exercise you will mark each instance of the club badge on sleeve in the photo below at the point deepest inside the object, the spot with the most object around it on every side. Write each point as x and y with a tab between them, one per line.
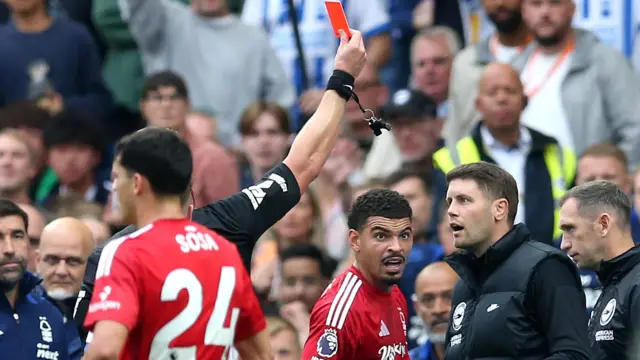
327	345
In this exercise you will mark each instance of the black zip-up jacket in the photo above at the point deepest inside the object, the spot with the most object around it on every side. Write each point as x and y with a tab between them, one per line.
615	320
521	299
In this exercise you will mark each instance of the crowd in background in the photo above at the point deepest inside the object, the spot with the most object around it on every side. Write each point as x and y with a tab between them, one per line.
76	75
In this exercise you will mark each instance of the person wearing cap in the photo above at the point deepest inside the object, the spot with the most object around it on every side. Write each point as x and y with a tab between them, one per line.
543	169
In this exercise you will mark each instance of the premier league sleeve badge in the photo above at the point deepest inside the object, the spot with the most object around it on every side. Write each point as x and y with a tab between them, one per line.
327	345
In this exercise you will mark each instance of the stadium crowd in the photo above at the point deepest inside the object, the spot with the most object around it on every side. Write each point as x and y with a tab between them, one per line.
238	79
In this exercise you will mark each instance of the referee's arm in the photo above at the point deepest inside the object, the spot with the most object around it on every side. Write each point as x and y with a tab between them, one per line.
558	304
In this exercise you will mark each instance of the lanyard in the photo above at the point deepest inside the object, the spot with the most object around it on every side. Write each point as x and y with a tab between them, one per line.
559	61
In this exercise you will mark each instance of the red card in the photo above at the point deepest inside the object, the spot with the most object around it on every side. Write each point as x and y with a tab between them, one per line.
337	17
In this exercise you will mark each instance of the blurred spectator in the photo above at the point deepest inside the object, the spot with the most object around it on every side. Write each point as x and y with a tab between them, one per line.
17	166
417	189
165	103
203	127
509	40
265	131
604	162
50	60
75	147
542	168
432	53
317	40
445	234
34	231
241	69
557	69
284	339
65	246
305	274
432	300
88	212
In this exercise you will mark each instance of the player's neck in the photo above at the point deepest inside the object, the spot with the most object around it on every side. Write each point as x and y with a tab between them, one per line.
514	39
384	287
158	210
618	247
499	232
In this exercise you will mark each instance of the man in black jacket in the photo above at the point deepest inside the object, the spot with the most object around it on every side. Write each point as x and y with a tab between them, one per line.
595	221
516	298
242	218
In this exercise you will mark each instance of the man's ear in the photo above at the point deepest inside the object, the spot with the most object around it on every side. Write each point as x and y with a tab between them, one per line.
500	209
354	240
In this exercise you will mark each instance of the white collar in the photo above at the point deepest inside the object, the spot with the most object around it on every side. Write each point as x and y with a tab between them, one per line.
523	143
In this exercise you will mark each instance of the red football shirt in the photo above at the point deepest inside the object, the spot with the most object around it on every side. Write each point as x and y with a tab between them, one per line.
355	320
179	288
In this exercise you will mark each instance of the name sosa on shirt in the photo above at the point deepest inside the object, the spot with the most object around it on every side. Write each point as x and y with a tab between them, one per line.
195	241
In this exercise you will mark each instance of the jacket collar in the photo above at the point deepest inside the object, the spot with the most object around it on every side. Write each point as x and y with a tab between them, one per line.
474	270
538	140
615	269
26	285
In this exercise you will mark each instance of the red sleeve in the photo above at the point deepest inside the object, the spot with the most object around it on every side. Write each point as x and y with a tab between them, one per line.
327	341
115	295
251	320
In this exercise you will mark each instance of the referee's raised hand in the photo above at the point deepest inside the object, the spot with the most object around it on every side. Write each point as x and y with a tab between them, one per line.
351	55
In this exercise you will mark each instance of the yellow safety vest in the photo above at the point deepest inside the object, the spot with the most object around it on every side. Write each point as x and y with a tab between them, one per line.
561	176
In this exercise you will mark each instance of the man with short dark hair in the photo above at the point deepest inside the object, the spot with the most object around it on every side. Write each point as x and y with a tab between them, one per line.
362	314
595	219
32	327
516	297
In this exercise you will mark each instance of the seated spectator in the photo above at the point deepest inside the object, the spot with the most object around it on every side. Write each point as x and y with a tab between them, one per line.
17	166
203	126
34	231
75	147
234	64
284	339
52	61
165	103
306	272
88	212
265	132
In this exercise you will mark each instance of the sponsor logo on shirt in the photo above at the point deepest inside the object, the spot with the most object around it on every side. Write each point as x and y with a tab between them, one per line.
404	321
43	347
389	352
604	335
455	340
458	316
608	312
105	304
327	345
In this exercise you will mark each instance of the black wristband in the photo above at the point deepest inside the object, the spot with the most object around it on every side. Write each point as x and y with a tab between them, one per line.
342	83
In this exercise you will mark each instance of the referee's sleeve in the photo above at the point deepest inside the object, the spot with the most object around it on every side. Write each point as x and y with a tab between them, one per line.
556	300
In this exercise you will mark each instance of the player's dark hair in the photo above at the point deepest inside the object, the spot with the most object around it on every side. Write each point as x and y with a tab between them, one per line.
598	196
310	251
378	202
165	79
9	208
409	173
161	156
495	182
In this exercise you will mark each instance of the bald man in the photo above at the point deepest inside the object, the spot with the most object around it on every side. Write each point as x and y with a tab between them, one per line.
65	246
432	301
543	169
36	224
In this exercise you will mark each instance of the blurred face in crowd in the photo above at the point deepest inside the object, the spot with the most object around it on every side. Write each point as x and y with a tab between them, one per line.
65	246
371	92
267	144
505	14
302	280
431	62
591	167
471	214
432	299
166	108
16	164
210	8
445	235
14	249
34	231
548	20
73	163
580	237
297	224
25	6
285	345
416	138
202	127
419	199
500	98
636	190
99	229
382	247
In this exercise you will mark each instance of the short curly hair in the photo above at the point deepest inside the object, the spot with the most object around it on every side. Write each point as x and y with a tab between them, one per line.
384	203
